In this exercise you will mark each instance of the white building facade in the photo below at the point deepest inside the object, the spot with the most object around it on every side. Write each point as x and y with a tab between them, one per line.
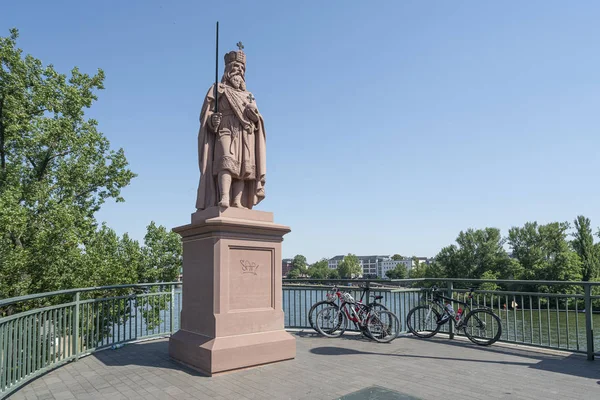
377	266
388	265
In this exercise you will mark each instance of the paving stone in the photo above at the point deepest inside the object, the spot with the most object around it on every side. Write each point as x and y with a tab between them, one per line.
329	369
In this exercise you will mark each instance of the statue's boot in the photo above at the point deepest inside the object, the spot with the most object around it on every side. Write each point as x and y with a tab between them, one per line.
225	186
238	190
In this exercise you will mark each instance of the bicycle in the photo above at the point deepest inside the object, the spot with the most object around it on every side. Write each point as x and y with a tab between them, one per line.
474	320
331	297
335	294
379	325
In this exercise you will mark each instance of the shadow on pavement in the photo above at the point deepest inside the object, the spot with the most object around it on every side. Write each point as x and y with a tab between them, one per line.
572	364
146	354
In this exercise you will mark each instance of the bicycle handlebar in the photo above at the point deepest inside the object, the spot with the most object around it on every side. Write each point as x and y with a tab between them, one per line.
434	288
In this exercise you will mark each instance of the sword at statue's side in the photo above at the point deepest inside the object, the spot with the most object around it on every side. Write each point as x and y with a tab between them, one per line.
217	72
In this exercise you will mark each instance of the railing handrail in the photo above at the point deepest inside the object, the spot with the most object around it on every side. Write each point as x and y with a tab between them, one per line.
510	281
359	280
466	280
13	300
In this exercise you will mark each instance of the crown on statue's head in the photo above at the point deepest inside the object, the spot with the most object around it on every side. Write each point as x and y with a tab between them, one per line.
238	56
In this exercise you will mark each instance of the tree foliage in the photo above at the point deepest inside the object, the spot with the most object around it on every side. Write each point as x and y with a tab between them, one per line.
162	255
319	270
299	263
583	244
397	273
415	261
293	274
333	274
56	171
349	267
538	252
475	252
544	252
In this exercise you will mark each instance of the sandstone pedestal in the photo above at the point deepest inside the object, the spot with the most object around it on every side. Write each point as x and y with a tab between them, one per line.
232	314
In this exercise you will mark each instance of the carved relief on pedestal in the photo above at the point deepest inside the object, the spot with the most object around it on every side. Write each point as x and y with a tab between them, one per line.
251	278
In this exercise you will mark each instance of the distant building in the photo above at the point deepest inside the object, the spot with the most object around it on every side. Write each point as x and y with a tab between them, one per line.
369	264
286	266
426	260
389	264
376	266
332	263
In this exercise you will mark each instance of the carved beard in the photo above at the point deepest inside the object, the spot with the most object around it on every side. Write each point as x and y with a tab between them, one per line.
237	81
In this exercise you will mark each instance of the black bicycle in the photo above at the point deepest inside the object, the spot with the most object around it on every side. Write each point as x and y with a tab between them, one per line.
480	324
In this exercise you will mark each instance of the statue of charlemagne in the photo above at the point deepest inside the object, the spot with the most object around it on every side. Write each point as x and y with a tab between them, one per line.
231	142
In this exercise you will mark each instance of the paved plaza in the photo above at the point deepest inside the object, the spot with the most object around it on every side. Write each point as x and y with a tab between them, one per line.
331	369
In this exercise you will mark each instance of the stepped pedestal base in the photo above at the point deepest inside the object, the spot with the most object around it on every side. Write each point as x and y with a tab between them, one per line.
232	313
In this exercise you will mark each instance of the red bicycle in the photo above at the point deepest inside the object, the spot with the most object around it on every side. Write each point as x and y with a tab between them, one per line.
380	325
333	295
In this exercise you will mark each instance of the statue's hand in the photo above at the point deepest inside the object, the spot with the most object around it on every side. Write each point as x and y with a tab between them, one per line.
215	120
252	113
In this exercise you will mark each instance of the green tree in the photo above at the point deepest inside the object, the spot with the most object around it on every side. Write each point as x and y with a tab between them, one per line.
109	260
349	267
319	270
545	254
397	257
415	261
397	273
489	285
163	255
56	170
583	244
299	263
333	274
476	252
433	270
294	273
597	246
419	271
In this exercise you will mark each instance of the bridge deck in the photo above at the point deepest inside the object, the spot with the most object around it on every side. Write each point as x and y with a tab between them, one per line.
330	369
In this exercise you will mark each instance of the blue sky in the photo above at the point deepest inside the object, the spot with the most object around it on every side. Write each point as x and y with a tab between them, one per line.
391	125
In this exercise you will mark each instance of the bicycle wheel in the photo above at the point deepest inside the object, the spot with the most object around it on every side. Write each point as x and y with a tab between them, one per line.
363	314
378	305
422	321
331	321
316	308
482	327
383	326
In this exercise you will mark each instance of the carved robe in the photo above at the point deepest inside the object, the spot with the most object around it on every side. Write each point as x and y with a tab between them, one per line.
239	147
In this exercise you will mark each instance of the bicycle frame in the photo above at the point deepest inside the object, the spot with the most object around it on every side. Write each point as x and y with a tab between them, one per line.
437	299
352	312
461	318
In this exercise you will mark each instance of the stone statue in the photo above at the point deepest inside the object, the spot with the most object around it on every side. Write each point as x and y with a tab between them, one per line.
231	142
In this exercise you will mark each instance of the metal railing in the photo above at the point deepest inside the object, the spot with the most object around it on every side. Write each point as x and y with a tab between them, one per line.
562	316
43	331
49	329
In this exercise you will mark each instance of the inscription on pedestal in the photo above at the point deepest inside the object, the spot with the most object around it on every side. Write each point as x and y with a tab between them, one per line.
248	267
251	278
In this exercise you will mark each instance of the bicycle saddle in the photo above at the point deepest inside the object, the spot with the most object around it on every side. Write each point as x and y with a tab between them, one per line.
378	297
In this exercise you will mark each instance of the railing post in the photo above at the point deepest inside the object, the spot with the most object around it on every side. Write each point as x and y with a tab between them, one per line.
589	329
172	309
450	323
76	327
